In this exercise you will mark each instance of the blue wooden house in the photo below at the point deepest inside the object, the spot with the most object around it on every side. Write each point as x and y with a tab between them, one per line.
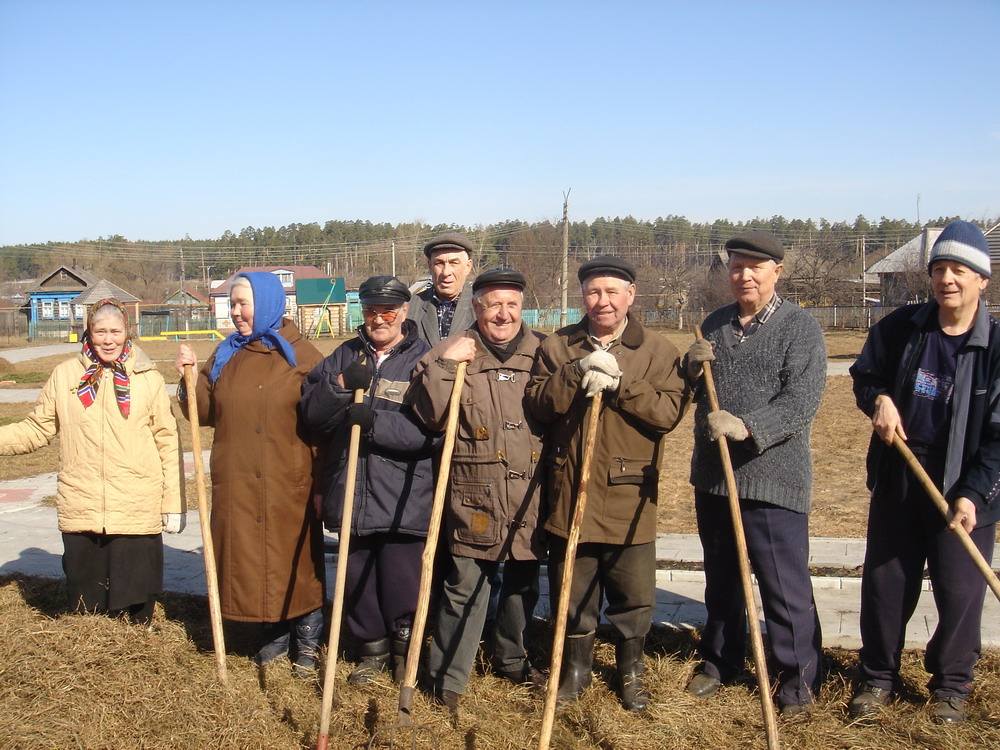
57	305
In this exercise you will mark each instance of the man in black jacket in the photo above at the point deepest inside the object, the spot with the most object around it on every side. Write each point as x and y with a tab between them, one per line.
931	374
395	484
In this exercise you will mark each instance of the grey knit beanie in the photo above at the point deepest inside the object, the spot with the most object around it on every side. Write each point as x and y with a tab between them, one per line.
965	243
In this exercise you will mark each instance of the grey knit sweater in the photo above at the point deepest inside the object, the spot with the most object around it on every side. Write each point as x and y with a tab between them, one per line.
773	381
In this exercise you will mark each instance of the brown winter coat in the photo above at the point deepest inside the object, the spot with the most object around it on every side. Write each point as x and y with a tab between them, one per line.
496	484
625	471
268	540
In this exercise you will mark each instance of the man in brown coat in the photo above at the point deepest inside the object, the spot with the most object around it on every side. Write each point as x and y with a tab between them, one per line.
644	398
495	489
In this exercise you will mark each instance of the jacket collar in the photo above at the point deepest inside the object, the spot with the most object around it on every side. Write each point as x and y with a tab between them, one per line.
925	319
631	337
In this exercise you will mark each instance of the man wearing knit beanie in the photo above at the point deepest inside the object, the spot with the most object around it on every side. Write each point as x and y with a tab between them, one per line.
769	363
930	374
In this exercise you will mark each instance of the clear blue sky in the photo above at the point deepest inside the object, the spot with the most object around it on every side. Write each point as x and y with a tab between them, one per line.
156	120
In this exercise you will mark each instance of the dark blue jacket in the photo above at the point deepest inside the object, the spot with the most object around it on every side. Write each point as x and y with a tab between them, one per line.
887	365
395	481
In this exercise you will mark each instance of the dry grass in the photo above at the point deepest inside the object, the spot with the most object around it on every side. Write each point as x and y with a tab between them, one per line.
90	682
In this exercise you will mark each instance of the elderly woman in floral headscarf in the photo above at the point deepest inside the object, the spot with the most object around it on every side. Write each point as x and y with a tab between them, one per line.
120	474
268	539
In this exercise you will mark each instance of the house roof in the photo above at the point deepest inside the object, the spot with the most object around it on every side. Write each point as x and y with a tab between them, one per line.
188	292
64	279
912	256
102	290
298	272
993	238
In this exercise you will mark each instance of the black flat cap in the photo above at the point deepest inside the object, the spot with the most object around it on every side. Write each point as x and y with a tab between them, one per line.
607	265
383	290
451	242
757	244
500	276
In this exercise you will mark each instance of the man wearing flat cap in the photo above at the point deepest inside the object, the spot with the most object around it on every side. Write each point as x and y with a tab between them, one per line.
496	486
446	305
395	473
644	396
769	362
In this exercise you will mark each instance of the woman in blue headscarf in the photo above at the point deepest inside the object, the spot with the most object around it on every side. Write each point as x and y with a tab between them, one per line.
267	536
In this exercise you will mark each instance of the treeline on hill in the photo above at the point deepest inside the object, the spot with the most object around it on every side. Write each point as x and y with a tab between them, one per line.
674	255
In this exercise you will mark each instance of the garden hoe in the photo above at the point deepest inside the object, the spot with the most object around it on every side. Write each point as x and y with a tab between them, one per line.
211	575
333	647
562	611
756	642
942	505
417	732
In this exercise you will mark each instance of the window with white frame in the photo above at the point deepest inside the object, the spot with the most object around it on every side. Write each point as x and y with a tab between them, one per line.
48	307
78	312
63	309
285	277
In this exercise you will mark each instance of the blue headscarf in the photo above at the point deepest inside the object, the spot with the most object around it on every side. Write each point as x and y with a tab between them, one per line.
268	307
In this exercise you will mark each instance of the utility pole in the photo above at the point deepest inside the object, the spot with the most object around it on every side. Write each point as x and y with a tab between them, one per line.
394	257
565	257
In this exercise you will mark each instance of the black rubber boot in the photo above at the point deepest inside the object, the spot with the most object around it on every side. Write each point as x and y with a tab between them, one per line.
629	660
578	660
308	636
374	655
399	646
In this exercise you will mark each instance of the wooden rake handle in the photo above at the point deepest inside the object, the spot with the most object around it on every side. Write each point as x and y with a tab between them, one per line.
572	541
340	582
942	505
756	641
211	574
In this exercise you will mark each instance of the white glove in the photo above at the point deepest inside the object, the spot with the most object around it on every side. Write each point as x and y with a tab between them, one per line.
601	361
595	381
723	423
174	523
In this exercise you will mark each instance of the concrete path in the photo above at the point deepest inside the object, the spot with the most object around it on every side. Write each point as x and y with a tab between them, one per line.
30	543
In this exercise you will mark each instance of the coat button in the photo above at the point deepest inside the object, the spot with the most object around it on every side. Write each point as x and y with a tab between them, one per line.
258	475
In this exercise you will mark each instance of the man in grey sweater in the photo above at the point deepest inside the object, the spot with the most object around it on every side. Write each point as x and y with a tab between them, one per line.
770	370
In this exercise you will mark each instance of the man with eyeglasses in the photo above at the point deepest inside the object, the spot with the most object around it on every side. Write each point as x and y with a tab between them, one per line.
395	485
446	305
495	490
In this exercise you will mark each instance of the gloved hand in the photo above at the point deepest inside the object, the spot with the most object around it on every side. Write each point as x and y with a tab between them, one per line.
699	353
357	376
361	415
174	523
601	361
723	423
595	381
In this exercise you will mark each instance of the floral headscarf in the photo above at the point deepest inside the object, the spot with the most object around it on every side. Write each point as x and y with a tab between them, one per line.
91	380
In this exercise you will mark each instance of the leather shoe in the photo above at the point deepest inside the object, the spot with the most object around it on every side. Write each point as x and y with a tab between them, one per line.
447	698
948	710
867	700
796	710
703	685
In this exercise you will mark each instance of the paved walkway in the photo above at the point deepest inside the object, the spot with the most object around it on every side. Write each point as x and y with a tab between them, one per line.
30	543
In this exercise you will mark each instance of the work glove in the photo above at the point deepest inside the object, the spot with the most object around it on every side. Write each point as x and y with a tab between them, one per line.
601	361
723	423
357	376
595	381
361	415
174	523
699	353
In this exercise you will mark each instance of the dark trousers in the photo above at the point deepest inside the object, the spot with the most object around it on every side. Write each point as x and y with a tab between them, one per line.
624	573
778	545
383	580
463	609
113	573
905	529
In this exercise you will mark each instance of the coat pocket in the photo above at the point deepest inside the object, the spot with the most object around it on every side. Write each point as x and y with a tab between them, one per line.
474	508
632	471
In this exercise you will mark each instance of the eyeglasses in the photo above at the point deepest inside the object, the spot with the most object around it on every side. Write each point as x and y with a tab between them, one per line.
388	316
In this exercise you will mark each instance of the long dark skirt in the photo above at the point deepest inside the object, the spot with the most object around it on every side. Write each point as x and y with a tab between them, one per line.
113	573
